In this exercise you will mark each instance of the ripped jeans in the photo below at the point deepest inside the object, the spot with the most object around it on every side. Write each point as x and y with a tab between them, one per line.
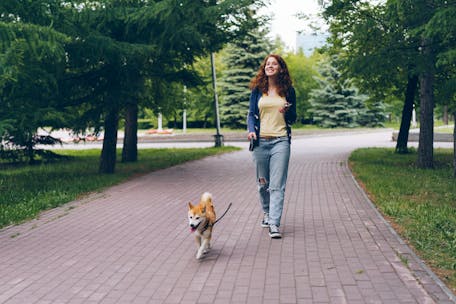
271	158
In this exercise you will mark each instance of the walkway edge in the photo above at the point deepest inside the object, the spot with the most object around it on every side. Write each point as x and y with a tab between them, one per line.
416	258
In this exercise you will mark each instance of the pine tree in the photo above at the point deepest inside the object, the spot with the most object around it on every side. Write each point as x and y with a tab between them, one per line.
336	103
242	62
374	116
31	61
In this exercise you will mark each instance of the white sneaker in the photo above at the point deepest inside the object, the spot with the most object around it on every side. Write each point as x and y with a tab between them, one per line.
274	232
265	221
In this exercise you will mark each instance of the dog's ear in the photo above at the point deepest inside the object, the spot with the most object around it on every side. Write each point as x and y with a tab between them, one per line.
190	206
203	210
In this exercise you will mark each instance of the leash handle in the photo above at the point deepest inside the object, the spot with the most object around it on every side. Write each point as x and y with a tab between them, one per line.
228	208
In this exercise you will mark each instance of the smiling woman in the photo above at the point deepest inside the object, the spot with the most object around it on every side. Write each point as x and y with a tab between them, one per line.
272	111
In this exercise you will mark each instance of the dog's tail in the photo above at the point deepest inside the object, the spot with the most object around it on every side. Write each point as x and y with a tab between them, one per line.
206	197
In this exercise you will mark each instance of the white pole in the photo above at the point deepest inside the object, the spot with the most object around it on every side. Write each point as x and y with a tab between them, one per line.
414	117
184	126
218	136
160	127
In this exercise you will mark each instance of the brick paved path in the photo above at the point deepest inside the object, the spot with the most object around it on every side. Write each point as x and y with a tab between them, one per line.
131	243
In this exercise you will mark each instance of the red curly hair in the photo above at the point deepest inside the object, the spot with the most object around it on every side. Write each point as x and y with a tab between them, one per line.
260	81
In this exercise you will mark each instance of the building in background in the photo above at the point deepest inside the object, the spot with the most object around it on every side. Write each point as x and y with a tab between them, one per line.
308	42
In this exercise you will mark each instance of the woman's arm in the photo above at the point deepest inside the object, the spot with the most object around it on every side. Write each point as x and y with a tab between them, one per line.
290	114
251	115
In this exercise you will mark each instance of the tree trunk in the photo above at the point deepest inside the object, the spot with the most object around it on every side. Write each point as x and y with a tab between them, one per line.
130	142
445	115
426	141
30	152
108	152
454	145
407	110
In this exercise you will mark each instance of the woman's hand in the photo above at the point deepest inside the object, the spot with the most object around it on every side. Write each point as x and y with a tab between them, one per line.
285	107
251	135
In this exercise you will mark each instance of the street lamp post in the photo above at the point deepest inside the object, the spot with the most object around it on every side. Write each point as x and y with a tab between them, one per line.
218	137
160	122
184	115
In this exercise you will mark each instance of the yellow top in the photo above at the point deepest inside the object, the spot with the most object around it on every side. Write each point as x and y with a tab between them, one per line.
272	121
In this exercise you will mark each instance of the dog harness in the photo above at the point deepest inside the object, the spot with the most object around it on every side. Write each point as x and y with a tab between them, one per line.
205	227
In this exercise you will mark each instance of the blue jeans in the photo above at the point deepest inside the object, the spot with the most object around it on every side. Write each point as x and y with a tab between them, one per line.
271	158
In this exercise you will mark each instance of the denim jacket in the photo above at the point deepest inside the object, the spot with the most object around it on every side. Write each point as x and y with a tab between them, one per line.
253	118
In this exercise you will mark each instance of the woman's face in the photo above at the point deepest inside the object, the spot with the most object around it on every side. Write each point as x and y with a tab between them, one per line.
272	67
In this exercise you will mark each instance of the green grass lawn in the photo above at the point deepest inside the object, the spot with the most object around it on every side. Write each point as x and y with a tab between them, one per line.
438	124
445	129
421	204
27	190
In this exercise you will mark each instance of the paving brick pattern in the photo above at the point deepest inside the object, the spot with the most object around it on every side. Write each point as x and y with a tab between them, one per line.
131	243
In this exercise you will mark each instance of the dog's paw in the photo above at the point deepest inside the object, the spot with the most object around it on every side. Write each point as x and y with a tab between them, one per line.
199	254
207	250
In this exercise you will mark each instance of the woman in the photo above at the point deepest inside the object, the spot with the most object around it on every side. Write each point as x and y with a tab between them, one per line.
272	110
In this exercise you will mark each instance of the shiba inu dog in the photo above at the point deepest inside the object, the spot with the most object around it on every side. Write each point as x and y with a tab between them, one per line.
201	219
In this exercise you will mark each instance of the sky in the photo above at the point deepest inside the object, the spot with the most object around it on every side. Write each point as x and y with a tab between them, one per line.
284	22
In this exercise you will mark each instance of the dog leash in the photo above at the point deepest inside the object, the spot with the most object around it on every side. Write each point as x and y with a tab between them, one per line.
228	208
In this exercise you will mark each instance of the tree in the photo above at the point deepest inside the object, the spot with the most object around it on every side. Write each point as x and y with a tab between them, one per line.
303	71
414	15
198	100
244	56
441	29
367	34
407	112
407	38
114	48
336	103
104	72
430	24
185	39
125	44
426	139
32	59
